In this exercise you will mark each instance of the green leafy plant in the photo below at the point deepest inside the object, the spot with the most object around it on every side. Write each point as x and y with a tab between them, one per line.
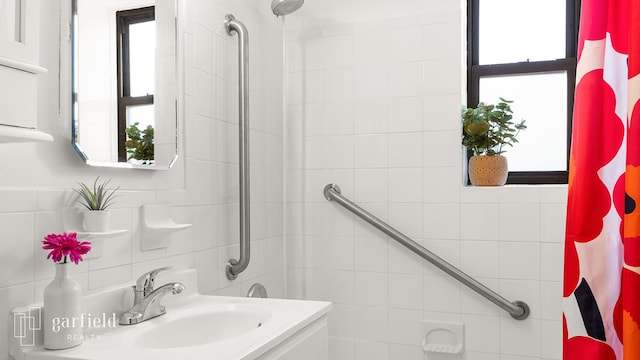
97	198
487	128
140	143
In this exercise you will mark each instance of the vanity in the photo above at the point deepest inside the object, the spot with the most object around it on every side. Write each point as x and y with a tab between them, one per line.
195	326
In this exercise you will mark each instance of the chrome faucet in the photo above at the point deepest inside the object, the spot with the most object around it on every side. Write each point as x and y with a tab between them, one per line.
146	303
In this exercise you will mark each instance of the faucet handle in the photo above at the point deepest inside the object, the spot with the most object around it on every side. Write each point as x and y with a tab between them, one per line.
146	281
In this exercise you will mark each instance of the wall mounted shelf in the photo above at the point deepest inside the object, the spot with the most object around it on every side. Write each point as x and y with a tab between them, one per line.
16	134
22	66
157	226
100	235
97	241
72	222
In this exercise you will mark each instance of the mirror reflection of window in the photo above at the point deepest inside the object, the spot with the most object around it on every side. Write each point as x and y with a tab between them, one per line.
136	85
124	79
142	59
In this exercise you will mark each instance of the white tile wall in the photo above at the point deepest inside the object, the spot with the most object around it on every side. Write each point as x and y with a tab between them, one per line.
372	106
389	92
36	179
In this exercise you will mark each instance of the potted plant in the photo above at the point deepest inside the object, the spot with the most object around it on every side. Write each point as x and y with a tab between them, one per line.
486	129
96	200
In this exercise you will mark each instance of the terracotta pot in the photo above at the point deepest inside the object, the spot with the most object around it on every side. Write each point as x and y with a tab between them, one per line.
488	170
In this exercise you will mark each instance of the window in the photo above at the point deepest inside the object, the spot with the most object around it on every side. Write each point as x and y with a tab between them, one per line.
136	73
525	51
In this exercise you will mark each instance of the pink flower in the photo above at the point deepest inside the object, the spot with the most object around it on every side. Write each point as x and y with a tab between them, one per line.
65	245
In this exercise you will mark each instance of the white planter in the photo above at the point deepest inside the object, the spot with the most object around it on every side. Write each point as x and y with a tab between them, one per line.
96	220
62	304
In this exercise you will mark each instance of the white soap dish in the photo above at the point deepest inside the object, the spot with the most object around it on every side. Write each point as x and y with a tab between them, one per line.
157	226
443	337
442	348
167	226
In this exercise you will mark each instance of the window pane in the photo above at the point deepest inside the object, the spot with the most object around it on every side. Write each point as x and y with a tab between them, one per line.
142	38
142	114
541	99
140	144
517	31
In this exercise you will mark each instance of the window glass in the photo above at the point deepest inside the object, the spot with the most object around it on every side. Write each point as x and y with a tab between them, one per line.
541	99
519	31
141	114
142	63
140	143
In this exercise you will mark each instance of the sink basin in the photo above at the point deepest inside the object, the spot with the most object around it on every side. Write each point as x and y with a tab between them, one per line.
195	326
217	324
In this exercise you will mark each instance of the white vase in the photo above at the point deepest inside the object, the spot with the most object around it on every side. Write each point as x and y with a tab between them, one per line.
62	311
96	220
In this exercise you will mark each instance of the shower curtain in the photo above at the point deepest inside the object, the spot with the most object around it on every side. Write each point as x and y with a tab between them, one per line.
601	295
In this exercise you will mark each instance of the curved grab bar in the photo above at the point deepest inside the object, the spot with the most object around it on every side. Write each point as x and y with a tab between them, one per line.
235	267
519	310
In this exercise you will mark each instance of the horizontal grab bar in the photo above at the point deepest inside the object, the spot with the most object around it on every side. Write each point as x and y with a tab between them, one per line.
519	310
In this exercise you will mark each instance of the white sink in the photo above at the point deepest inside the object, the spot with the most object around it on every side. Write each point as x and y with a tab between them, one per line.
195	327
218	324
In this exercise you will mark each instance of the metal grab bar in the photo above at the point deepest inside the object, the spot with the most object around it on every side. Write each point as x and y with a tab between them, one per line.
235	267
519	310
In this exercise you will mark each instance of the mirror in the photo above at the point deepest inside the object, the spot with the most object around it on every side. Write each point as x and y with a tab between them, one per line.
124	82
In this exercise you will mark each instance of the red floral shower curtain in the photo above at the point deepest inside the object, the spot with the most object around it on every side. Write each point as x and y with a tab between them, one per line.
601	298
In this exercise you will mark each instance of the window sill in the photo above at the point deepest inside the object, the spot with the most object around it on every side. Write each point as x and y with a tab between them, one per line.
516	193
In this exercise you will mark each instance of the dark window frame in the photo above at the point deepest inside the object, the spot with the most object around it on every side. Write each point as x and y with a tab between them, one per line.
568	64
124	19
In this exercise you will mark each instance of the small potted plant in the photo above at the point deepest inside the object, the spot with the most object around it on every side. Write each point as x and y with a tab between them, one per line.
96	201
486	129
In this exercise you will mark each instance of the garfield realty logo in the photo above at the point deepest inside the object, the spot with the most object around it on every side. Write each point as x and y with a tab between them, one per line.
83	321
26	324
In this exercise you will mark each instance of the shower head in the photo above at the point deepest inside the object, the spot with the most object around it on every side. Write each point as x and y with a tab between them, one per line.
285	7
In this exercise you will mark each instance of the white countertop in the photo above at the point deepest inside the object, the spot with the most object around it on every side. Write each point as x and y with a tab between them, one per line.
286	317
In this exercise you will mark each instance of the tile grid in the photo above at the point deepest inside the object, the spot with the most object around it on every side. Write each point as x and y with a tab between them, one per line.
372	290
208	200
